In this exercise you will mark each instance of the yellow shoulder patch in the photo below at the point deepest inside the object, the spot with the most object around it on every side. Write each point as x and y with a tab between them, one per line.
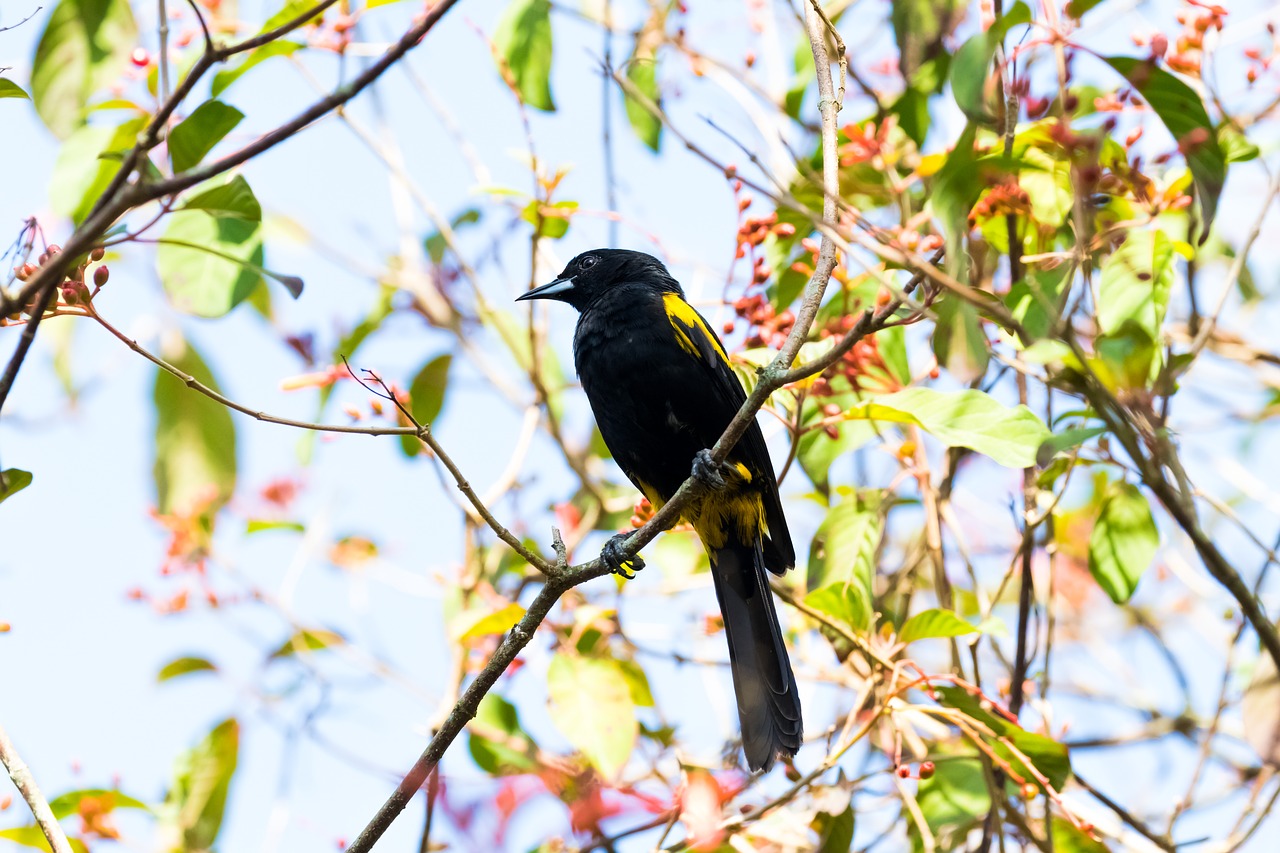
687	322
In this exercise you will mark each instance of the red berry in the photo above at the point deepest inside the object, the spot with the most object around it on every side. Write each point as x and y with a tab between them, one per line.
140	58
100	276
904	772
926	770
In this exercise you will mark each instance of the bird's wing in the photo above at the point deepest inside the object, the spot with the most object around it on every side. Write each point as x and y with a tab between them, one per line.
711	414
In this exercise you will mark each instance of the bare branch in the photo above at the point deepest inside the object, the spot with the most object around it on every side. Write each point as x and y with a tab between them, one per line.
26	785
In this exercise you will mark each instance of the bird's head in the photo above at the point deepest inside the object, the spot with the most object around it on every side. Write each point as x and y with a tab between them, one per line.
593	273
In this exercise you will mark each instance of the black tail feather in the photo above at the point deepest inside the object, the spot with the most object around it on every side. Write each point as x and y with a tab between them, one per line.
768	699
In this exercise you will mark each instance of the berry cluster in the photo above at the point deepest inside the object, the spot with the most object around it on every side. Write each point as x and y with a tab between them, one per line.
926	771
1006	197
72	290
768	327
863	360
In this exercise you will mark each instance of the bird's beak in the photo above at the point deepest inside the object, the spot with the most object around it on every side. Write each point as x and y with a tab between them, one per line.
551	290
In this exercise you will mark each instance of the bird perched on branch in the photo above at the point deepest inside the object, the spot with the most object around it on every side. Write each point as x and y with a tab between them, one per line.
663	392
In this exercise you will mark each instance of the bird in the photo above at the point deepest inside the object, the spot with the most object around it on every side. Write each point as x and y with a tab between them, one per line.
663	391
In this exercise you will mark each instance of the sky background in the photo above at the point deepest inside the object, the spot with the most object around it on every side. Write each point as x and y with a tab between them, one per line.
79	693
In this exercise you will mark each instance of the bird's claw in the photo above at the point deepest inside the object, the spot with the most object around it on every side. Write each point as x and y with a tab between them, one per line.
614	555
707	470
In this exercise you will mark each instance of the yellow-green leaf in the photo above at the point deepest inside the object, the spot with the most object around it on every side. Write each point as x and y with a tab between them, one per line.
308	640
591	703
195	445
184	666
12	481
426	398
84	47
934	623
1123	542
478	623
969	418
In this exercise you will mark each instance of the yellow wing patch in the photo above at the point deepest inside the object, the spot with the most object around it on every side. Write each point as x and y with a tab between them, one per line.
686	321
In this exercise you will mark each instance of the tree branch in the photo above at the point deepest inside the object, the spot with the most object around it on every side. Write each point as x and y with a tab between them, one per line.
560	579
26	785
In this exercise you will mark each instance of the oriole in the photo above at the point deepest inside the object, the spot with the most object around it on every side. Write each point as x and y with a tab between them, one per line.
663	391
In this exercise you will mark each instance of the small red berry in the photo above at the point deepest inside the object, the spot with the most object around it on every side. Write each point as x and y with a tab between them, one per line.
904	772
926	770
140	58
100	276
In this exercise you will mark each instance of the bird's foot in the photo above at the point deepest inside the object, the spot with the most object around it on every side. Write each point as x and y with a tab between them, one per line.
614	555
708	472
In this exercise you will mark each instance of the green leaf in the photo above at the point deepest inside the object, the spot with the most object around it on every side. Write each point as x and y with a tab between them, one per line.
641	694
954	798
33	836
971	64
591	704
84	47
1049	757
835	831
955	189
12	481
1183	113
481	623
643	74
1077	8
68	804
934	623
426	398
844	546
1065	440
195	445
958	340
209	264
969	418
551	220
1236	147
308	640
291	10
1034	301
223	79
234	200
10	89
523	39
1136	280
818	450
197	134
844	602
514	754
1123	542
86	163
194	806
184	666
1068	839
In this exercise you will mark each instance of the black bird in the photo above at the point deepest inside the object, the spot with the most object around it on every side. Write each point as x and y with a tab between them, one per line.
662	391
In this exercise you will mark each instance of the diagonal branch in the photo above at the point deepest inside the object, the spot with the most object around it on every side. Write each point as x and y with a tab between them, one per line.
564	578
26	785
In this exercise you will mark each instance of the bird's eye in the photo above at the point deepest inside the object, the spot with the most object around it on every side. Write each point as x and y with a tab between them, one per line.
588	262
